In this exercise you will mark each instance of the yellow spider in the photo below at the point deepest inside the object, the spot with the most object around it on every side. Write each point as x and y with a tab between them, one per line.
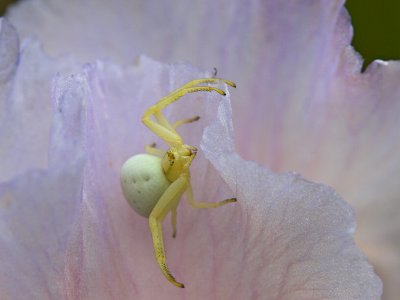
153	183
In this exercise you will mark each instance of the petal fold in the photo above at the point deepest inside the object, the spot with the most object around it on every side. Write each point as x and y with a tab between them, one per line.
302	231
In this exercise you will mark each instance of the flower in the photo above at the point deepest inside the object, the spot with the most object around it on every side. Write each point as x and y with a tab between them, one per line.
292	238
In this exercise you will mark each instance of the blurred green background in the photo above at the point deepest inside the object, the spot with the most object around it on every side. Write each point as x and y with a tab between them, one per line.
376	27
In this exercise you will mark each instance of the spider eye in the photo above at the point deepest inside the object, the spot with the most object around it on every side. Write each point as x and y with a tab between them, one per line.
171	158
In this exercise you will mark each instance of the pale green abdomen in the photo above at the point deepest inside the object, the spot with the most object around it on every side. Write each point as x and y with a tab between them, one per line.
143	182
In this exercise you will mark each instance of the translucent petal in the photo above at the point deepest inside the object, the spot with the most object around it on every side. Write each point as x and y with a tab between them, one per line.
38	209
25	115
310	108
302	95
74	236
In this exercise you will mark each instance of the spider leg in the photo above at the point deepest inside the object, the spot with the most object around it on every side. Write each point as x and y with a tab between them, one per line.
162	120
171	137
194	83
173	221
169	200
151	149
207	80
185	121
197	204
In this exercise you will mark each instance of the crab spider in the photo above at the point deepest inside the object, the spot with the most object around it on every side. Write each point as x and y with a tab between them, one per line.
154	182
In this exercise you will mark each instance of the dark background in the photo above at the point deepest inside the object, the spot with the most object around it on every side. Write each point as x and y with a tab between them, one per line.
376	27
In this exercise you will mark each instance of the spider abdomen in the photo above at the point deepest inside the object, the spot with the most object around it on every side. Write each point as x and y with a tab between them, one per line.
143	182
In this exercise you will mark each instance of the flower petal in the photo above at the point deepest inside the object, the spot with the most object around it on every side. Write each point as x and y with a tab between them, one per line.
302	95
285	134
286	238
9	46
110	254
305	227
25	116
37	211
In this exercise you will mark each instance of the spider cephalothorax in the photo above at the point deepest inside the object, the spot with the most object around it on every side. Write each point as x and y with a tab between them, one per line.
153	183
178	160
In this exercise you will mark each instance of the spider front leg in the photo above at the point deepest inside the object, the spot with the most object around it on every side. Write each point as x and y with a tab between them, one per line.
163	129
151	149
185	121
196	82
168	201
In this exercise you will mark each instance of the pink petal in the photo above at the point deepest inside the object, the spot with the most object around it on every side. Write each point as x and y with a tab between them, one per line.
302	95
25	113
38	209
113	248
74	236
317	230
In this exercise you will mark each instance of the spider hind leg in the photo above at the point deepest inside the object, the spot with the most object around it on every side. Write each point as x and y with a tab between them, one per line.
196	204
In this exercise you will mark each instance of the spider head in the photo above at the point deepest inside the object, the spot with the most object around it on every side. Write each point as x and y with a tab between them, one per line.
177	160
